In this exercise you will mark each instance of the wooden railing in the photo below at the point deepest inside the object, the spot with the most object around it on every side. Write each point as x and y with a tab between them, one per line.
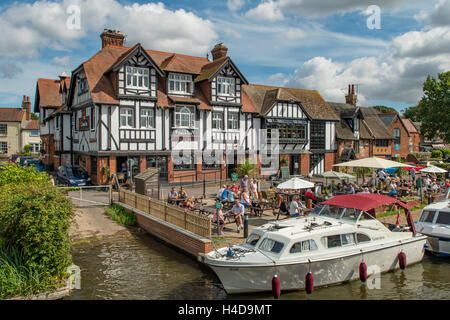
195	223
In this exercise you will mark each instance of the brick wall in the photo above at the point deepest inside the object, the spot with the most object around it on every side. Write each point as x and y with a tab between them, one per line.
364	149
304	164
177	237
329	161
404	138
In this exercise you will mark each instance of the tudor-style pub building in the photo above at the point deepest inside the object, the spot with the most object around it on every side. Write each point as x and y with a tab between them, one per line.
134	103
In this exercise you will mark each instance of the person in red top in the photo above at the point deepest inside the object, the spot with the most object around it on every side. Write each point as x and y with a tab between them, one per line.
309	193
447	184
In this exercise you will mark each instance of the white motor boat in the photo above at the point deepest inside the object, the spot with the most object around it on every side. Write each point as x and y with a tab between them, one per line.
331	243
434	222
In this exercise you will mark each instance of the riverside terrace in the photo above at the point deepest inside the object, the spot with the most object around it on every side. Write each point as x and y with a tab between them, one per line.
405	192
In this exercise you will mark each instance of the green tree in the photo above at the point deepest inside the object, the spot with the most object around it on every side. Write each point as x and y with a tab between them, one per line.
412	113
246	168
434	107
384	109
34	116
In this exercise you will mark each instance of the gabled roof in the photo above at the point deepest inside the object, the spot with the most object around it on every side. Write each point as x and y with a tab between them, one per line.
211	69
11	114
47	94
409	126
310	100
374	124
344	110
31	125
387	118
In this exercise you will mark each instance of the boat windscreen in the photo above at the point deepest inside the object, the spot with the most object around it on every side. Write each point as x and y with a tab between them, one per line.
443	218
253	239
331	212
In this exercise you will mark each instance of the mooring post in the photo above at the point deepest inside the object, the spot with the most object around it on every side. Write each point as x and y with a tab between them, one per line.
204	187
245	225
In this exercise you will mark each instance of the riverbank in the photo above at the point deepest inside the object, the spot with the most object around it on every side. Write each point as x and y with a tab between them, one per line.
92	223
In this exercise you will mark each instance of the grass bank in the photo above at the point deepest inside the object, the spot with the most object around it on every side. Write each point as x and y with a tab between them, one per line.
122	216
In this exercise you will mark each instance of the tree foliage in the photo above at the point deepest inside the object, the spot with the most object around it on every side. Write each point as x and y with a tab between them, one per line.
384	109
434	107
412	113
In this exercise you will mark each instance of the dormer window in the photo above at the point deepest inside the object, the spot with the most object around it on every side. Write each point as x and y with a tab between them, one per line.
354	124
181	84
225	86
82	86
137	78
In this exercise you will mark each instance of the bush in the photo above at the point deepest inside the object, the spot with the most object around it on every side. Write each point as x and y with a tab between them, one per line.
246	168
34	220
26	149
437	154
122	216
445	153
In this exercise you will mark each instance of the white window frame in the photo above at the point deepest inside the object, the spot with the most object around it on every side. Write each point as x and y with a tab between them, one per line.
226	86
2	144
126	114
35	147
137	78
182	117
147	118
234	122
34	135
216	120
181	83
5	133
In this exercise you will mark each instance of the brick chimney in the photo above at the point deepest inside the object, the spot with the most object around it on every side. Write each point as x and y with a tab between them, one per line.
112	38
351	97
26	106
219	51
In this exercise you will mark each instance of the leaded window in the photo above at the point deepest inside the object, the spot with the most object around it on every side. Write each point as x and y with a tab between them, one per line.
147	118
317	135
181	83
217	120
137	78
184	117
233	120
126	118
225	86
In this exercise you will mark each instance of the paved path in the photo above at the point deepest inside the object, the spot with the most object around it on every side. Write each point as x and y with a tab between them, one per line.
93	223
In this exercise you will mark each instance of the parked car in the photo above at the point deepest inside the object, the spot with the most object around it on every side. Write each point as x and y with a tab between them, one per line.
73	176
14	157
36	163
21	160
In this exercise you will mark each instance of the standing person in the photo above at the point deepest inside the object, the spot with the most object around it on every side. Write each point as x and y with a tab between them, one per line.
222	222
254	189
244	182
412	172
294	209
381	175
237	211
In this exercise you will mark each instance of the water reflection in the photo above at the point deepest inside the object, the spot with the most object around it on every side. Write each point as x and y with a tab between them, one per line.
143	268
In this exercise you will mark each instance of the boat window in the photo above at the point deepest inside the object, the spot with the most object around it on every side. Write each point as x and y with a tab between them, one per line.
366	216
332	212
270	245
361	238
253	239
303	246
317	209
427	216
443	218
350	214
334	241
348	239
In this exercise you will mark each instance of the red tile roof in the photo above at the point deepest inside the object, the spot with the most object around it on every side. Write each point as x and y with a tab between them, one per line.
409	126
31	125
49	95
11	114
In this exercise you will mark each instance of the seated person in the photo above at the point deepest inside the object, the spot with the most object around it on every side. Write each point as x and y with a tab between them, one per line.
219	193
284	207
189	204
351	189
245	199
218	214
237	211
172	196
295	209
224	196
182	194
231	196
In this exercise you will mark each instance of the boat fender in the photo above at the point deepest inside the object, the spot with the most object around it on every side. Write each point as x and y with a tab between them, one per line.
402	260
363	272
276	287
309	283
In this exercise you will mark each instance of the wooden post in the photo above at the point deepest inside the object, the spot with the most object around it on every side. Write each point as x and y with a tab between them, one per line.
110	195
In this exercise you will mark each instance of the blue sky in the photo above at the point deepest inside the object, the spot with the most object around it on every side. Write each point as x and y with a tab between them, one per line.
312	44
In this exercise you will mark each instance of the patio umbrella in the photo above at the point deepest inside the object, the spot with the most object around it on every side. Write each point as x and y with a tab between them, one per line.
295	184
336	175
372	162
433	169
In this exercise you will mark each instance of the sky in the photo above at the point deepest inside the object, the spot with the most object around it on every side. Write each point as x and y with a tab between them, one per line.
386	48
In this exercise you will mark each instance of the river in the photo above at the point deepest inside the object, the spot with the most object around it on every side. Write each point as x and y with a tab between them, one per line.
141	267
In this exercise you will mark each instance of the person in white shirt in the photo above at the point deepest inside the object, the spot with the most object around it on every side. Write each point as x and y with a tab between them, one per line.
382	175
254	189
219	193
294	210
237	211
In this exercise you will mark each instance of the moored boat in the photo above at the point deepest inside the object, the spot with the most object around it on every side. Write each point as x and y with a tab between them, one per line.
338	239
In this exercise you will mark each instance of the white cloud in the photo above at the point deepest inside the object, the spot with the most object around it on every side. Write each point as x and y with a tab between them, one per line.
439	16
266	11
396	75
62	61
235	5
9	69
29	28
